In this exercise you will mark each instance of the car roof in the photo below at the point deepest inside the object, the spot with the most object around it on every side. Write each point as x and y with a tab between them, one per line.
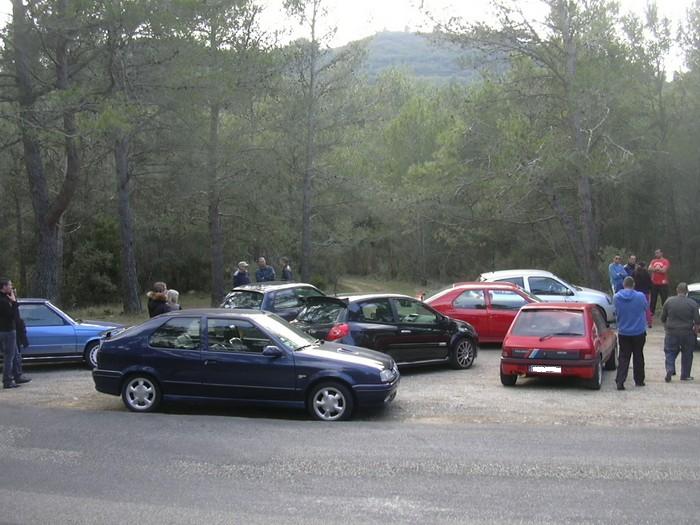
694	287
270	286
215	311
32	300
516	273
485	284
366	296
558	306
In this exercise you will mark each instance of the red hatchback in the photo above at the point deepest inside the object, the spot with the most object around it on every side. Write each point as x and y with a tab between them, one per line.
559	339
489	307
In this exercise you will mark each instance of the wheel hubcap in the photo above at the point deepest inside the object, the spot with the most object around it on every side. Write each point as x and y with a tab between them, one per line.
93	356
141	393
329	404
465	353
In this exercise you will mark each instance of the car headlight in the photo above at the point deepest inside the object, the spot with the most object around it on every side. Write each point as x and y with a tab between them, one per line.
388	374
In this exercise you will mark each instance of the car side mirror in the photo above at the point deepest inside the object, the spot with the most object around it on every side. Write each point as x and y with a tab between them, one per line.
272	351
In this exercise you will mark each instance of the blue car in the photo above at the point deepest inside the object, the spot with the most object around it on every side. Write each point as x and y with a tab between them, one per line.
54	336
247	356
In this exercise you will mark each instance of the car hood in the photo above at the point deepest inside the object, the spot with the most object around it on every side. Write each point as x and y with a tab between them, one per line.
97	325
352	355
590	292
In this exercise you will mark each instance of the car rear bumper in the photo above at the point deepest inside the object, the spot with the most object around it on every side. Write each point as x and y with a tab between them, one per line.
376	395
107	381
569	368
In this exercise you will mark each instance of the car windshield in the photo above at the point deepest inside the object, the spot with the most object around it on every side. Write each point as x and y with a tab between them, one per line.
291	336
321	313
243	299
549	323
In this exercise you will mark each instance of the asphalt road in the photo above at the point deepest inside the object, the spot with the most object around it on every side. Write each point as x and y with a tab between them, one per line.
456	448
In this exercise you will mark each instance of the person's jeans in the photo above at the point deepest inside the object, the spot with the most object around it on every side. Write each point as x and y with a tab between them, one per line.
631	346
656	291
8	343
685	344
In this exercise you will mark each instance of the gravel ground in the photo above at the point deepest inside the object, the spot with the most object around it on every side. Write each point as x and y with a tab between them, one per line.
438	395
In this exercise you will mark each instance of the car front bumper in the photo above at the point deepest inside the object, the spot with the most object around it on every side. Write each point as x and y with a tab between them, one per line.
583	369
107	381
376	395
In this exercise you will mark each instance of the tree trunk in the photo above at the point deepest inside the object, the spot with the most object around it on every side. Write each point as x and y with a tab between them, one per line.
131	299
20	241
216	233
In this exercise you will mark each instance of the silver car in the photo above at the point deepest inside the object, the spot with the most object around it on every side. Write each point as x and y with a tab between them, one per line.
551	288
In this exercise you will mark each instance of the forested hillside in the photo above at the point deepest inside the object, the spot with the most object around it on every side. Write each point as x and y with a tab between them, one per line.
161	140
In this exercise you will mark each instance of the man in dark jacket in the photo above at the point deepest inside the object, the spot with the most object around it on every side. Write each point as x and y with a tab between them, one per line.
681	322
631	307
241	276
157	300
11	368
264	273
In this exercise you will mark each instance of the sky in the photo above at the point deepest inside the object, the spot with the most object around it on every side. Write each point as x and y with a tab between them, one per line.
355	19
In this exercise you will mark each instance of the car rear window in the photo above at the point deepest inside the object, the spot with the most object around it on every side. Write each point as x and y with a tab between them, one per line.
321	313
554	323
695	296
243	299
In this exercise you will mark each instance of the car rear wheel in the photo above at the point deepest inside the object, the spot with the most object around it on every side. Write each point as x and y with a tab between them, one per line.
90	354
597	379
508	380
141	393
611	363
463	354
330	402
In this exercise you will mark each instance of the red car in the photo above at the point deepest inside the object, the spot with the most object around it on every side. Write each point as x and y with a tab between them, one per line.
489	307
559	339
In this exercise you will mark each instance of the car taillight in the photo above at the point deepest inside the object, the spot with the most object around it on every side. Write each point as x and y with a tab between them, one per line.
338	332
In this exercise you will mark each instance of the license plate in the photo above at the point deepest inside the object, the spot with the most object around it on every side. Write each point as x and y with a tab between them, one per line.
545	369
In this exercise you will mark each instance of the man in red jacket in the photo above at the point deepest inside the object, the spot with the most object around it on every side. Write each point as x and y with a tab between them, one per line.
658	267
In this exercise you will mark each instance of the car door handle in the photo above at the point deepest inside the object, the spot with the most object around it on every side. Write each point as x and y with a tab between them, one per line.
405	331
208	362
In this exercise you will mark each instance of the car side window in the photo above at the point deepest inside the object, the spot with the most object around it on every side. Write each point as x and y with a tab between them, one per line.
470	300
506	300
600	323
39	315
413	312
547	286
372	311
286	299
235	335
515	280
182	333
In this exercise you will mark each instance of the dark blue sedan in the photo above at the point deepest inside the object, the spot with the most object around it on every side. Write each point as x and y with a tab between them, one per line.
54	335
242	355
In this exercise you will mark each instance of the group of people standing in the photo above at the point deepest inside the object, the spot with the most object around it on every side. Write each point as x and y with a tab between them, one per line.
162	300
264	273
636	291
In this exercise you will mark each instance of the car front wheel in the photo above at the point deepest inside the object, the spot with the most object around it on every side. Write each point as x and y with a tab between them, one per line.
330	402
141	393
508	380
90	354
463	354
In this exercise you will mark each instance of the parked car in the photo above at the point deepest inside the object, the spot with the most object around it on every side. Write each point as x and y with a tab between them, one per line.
694	293
54	336
282	298
489	307
242	355
410	331
559	339
550	288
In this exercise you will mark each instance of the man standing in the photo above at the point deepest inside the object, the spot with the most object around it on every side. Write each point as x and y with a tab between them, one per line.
264	272
616	273
658	267
241	276
631	309
286	269
631	265
11	367
681	322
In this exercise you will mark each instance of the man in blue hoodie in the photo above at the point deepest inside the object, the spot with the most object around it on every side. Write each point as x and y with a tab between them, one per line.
616	274
631	307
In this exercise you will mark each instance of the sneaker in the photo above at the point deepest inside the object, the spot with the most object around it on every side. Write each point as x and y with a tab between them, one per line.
689	378
668	377
23	379
620	386
11	385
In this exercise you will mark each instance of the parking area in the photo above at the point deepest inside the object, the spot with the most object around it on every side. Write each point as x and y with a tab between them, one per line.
439	395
